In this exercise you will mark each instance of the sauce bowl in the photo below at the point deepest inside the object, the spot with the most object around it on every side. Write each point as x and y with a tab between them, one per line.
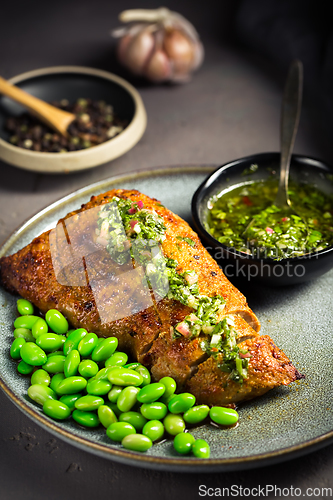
236	264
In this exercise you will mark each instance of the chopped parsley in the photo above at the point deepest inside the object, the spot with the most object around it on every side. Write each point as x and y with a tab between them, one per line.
187	240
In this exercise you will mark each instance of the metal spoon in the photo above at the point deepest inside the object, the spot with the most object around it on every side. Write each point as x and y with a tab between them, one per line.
55	118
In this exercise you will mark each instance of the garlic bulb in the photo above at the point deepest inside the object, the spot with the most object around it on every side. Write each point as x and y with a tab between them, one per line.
158	44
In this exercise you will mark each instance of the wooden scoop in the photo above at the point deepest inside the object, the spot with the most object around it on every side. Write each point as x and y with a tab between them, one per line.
55	118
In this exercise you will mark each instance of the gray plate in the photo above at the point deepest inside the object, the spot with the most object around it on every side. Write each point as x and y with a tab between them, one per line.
285	423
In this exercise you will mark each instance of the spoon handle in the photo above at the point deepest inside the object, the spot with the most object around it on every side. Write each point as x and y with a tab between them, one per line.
290	114
52	116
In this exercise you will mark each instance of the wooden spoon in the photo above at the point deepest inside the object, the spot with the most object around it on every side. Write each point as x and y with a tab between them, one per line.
55	118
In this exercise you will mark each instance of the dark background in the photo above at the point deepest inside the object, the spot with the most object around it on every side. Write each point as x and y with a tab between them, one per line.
230	109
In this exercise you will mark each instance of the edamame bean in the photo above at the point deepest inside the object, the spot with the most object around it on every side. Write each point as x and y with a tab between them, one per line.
40	393
71	385
71	364
124	376
69	400
23	333
56	379
32	354
181	403
16	348
137	442
127	398
134	418
24	307
39	327
200	448
145	374
154	411
113	407
105	349
114	393
56	409
196	414
25	321
89	403
118	430
55	364
87	344
56	321
133	366
183	442
151	393
106	416
88	368
170	386
86	418
154	429
223	416
73	340
174	424
40	377
55	353
98	387
117	358
49	341
103	373
24	369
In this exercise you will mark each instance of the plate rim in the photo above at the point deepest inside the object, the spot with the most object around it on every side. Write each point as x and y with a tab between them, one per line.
175	464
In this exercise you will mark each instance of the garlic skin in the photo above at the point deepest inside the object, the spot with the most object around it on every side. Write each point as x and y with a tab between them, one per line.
159	45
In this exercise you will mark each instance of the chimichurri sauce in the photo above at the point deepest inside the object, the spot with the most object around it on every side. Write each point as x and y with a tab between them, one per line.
273	234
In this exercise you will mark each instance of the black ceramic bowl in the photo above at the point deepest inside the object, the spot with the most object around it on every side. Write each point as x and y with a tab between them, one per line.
73	82
240	265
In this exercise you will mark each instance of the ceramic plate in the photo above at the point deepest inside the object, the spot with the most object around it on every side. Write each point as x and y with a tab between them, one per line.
285	423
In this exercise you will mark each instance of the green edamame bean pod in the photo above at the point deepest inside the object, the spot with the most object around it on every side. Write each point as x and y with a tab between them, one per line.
56	409
86	418
32	354
55	364
49	341
181	403
118	430
89	403
114	393
73	340
105	349
106	416
183	442
154	411
23	333
170	386
71	385
154	429
40	393
134	418
69	400
16	348
56	321
223	416
196	414
151	393
145	374
87	344
25	321
24	307
39	328
174	424
127	398
71	364
117	359
200	448
88	368
124	376
137	442
24	369
56	379
98	387
40	377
